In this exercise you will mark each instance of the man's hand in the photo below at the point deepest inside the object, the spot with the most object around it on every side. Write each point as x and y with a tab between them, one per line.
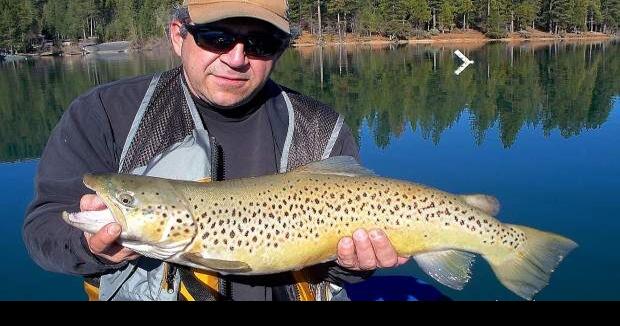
103	243
368	251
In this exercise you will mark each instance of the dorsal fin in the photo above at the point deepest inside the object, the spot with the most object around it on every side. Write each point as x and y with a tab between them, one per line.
338	165
486	203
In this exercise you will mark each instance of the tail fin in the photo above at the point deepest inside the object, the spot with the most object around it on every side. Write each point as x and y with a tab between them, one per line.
528	270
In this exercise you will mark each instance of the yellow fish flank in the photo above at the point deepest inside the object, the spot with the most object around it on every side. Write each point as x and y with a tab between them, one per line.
290	221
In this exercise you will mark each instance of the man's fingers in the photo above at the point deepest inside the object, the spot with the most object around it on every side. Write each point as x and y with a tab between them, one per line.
364	250
346	253
91	203
101	241
402	260
384	251
125	254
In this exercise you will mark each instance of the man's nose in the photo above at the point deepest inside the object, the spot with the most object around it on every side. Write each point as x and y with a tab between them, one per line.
235	58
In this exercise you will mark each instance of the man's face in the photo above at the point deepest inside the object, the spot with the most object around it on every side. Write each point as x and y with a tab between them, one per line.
227	79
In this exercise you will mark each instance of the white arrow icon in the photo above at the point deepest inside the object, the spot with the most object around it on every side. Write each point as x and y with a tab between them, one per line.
466	62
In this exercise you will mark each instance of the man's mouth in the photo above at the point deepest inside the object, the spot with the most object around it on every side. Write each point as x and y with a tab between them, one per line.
230	80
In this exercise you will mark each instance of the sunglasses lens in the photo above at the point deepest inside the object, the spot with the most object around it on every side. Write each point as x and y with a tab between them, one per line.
263	45
214	40
258	45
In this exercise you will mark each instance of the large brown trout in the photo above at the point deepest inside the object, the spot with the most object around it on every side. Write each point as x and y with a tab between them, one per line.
289	221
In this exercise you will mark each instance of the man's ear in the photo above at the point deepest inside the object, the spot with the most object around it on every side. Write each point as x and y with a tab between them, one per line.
177	36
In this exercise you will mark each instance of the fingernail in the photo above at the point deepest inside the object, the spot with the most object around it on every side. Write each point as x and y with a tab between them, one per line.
376	234
360	235
347	242
114	229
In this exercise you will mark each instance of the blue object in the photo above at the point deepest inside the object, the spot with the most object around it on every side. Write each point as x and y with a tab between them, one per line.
394	288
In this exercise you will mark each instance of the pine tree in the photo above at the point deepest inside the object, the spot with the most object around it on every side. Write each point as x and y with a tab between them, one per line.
394	18
579	15
525	13
464	8
419	12
447	11
611	15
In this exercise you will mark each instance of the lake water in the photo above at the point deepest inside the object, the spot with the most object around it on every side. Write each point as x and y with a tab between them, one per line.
537	125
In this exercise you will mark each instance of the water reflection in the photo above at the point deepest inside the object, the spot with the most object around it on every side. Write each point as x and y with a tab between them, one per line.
559	86
35	93
568	87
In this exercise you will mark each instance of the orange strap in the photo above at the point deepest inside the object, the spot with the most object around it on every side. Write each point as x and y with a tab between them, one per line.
185	293
305	291
91	291
207	279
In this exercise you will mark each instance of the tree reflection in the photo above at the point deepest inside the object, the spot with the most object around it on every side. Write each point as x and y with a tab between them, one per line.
559	86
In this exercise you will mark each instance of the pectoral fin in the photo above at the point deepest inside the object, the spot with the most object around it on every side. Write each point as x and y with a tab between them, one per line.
223	266
204	180
486	203
451	268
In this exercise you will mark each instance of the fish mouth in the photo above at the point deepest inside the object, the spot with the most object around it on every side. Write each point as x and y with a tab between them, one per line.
90	222
97	184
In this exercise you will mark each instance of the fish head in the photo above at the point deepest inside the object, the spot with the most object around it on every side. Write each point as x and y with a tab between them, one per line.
155	220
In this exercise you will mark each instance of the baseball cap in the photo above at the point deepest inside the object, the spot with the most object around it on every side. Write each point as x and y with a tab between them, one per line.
209	11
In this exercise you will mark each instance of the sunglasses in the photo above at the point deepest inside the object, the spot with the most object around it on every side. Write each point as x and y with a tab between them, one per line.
260	44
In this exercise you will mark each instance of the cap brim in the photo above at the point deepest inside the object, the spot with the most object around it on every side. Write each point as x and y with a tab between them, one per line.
204	14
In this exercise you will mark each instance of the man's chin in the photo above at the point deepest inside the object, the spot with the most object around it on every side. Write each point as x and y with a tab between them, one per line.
230	100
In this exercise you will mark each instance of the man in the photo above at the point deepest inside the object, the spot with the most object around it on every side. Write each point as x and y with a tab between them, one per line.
218	112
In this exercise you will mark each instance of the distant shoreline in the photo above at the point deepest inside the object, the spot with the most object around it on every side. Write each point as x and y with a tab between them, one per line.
459	38
471	38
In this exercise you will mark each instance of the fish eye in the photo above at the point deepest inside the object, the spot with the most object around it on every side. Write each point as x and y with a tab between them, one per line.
126	199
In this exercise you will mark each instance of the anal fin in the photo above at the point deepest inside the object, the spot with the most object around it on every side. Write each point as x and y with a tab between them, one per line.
451	268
